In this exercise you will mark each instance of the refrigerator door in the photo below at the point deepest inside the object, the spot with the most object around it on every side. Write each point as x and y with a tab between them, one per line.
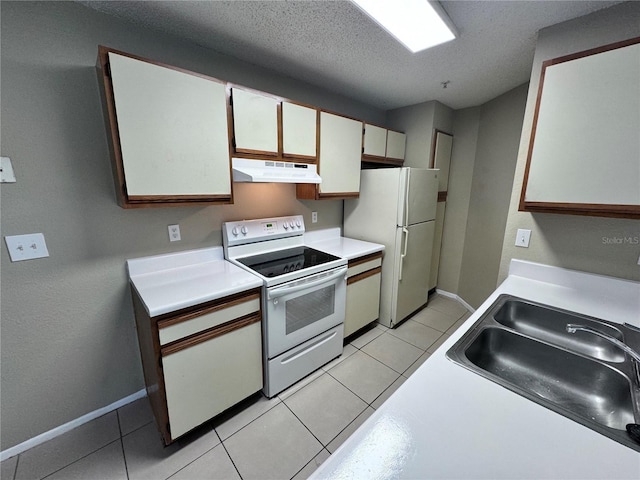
373	216
418	196
411	273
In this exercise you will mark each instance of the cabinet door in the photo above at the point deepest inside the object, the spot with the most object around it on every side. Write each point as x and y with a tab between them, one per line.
299	131
207	378
170	132
395	145
363	303
255	122
442	159
340	154
375	140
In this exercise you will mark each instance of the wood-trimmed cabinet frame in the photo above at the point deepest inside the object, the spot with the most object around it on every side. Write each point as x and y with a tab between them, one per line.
111	122
359	277
280	155
374	160
311	191
152	352
584	209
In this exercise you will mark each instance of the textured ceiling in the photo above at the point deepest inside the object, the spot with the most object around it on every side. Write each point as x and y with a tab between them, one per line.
334	45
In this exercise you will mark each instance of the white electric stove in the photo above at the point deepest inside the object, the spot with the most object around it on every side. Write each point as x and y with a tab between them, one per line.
303	299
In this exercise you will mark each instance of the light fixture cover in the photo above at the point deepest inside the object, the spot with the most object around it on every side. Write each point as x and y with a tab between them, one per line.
417	24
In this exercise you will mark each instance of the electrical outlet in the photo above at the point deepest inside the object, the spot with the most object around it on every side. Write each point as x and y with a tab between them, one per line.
174	233
522	238
26	247
314	217
6	171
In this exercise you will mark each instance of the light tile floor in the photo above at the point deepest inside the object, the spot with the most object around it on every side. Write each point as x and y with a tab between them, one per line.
286	437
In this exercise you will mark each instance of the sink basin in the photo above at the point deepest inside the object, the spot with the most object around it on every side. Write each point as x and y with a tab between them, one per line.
549	325
524	347
584	387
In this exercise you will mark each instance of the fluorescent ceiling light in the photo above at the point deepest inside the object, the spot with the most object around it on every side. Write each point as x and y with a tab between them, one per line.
417	24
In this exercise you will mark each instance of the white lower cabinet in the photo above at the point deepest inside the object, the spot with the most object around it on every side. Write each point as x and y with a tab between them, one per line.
200	361
206	379
363	292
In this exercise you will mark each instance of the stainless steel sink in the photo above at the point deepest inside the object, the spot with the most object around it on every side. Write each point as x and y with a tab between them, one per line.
524	347
549	324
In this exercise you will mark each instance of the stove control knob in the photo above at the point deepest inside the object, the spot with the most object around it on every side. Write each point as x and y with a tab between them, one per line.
244	230
285	225
298	224
291	224
235	231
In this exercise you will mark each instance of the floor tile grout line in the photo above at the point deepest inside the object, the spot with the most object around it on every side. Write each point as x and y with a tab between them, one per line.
81	458
364	400
229	455
245	426
119	424
15	469
425	349
137	428
200	456
124	458
389	366
312	434
347	426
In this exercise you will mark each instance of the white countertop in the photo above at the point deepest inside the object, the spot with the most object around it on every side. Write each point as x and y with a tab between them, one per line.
330	241
448	422
170	282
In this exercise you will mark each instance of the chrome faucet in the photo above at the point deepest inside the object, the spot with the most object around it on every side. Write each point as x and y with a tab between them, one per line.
573	328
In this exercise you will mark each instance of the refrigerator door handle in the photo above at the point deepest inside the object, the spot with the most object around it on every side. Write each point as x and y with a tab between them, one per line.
405	220
404	250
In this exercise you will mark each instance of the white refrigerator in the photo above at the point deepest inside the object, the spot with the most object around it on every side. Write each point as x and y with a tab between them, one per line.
397	208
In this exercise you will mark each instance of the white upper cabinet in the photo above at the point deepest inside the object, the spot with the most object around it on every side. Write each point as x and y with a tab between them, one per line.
299	130
169	133
383	146
340	154
375	140
584	153
395	145
255	122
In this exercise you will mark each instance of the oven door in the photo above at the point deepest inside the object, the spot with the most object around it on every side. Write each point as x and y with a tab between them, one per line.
302	309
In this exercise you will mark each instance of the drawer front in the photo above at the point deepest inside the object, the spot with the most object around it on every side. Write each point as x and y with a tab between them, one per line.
363	303
173	329
203	380
359	268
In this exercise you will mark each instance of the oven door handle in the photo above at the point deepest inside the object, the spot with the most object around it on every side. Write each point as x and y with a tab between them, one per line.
279	292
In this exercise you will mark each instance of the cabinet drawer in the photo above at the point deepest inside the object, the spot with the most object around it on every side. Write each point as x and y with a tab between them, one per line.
363	264
205	379
173	329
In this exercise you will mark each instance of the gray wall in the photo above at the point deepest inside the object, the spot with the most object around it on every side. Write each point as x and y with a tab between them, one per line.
419	122
68	335
485	148
495	160
466	123
575	242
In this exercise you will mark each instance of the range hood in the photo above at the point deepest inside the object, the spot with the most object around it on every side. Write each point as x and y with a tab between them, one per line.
261	171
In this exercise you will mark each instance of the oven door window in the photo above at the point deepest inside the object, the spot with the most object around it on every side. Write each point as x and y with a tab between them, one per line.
306	309
300	310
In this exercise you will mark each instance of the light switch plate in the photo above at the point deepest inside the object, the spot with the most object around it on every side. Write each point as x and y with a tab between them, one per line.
522	238
174	233
6	171
26	247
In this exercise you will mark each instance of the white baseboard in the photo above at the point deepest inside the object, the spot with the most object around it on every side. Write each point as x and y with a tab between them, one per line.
456	297
43	437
